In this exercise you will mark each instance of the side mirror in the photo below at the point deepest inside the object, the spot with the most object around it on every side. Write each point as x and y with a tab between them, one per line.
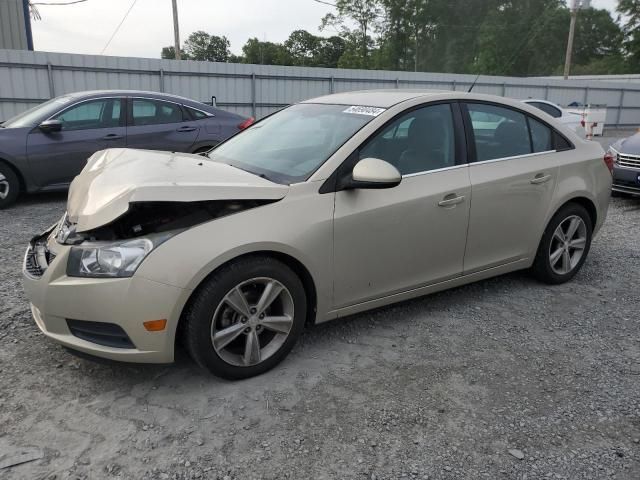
374	173
49	126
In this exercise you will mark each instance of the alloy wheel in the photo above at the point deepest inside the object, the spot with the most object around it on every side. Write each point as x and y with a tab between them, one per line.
252	321
568	245
4	187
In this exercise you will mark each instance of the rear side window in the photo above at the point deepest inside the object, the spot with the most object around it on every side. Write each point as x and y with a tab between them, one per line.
499	132
155	112
195	114
541	136
562	143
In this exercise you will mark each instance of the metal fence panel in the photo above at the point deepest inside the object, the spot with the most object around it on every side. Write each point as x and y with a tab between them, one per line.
28	78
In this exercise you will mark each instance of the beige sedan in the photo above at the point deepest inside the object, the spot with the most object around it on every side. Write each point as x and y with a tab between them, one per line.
327	208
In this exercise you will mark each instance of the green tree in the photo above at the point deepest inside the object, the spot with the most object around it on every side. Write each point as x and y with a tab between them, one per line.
302	47
169	53
202	46
631	11
364	13
265	53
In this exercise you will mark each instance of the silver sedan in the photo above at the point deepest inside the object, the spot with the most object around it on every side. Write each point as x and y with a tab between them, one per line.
327	208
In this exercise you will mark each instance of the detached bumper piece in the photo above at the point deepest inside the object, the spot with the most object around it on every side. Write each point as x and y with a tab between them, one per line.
107	334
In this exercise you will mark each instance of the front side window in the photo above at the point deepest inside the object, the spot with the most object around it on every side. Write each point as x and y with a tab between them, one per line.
99	113
154	112
499	132
418	141
290	145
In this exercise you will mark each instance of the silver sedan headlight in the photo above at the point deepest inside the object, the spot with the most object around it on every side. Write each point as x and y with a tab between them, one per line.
114	259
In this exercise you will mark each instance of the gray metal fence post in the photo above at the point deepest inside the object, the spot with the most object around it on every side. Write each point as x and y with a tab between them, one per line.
620	105
546	92
161	80
253	95
397	82
453	85
52	89
332	86
504	89
586	96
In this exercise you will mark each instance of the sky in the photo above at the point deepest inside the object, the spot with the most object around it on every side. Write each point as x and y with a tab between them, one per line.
87	27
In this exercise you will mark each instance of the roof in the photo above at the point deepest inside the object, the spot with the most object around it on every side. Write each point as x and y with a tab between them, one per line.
374	98
93	93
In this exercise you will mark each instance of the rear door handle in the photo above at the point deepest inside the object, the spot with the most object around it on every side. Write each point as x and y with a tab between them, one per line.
540	178
451	200
186	129
112	136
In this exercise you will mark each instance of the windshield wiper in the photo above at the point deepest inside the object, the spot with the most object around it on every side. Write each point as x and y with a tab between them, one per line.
261	175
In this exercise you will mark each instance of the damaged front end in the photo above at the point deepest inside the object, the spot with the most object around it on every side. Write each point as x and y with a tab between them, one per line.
117	249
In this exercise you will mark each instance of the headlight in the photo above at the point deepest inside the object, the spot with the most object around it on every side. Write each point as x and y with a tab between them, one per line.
111	260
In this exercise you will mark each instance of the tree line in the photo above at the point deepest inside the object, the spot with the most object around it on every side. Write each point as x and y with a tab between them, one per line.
492	37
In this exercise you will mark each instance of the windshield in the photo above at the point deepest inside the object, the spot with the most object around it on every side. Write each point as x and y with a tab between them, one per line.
290	145
35	115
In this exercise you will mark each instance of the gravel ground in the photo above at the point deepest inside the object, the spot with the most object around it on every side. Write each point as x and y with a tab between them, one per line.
506	378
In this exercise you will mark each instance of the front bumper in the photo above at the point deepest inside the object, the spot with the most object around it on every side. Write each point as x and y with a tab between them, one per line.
125	302
626	180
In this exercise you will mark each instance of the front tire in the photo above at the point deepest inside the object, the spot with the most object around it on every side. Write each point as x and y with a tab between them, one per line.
9	186
245	318
564	246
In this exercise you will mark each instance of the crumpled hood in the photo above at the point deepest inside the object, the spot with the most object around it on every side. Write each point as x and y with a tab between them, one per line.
114	178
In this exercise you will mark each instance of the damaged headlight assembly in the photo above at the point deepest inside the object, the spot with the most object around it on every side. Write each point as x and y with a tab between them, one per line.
117	259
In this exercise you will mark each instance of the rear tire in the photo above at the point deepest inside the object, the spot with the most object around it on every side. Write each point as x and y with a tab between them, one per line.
245	318
9	186
564	246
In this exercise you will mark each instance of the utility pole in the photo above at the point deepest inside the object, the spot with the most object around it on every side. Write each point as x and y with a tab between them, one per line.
572	32
176	29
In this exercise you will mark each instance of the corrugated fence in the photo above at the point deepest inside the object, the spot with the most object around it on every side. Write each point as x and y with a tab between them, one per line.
28	78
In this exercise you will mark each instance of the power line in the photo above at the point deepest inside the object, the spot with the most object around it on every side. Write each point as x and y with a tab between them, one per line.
118	27
53	4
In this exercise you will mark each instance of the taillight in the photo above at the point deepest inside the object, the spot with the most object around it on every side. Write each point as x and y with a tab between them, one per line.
247	123
608	161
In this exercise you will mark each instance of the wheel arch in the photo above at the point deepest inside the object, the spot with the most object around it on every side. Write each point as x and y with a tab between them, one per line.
17	172
296	265
588	205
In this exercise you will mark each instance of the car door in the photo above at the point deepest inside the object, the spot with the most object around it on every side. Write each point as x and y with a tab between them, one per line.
87	126
393	240
513	177
159	125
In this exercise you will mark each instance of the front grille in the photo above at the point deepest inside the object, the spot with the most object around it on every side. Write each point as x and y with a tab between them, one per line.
102	333
31	264
629	161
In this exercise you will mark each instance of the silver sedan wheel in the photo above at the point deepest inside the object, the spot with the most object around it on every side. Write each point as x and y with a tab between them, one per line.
4	187
252	321
567	245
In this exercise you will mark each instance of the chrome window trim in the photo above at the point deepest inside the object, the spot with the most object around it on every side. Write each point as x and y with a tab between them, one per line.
81	102
515	157
208	114
435	170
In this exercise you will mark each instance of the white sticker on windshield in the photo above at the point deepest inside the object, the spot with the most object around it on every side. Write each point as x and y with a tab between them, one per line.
361	110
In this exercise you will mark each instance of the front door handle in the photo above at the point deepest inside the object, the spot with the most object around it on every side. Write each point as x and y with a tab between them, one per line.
112	136
186	129
451	200
540	178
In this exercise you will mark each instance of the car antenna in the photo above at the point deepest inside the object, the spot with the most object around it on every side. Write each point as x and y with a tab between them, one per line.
473	84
